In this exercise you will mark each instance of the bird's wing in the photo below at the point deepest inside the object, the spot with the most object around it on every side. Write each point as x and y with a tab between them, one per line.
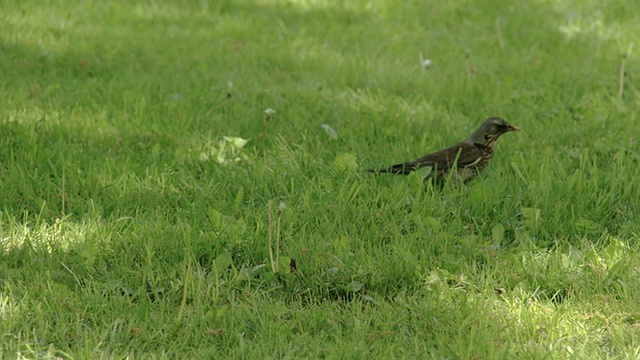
466	153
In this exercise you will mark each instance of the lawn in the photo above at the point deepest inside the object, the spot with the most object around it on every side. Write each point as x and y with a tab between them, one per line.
182	179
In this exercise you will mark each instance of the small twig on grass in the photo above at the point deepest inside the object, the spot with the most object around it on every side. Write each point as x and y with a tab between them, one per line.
623	71
274	259
270	240
499	34
268	114
63	191
622	75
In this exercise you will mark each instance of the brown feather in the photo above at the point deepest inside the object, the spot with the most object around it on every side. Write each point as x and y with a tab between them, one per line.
443	160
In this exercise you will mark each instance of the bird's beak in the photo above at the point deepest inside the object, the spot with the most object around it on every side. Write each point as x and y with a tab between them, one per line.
514	128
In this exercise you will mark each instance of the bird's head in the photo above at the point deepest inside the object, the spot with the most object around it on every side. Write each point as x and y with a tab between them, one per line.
491	128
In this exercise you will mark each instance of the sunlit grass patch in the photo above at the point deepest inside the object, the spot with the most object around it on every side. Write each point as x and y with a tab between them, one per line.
61	235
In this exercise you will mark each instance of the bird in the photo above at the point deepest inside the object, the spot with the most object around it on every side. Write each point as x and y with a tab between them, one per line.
462	161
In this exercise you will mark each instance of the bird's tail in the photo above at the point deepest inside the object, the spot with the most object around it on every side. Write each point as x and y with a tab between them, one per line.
402	169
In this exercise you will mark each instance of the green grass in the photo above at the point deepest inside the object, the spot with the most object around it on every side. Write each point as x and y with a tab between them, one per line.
123	237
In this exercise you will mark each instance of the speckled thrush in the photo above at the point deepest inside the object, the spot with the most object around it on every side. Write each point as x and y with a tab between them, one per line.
467	158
